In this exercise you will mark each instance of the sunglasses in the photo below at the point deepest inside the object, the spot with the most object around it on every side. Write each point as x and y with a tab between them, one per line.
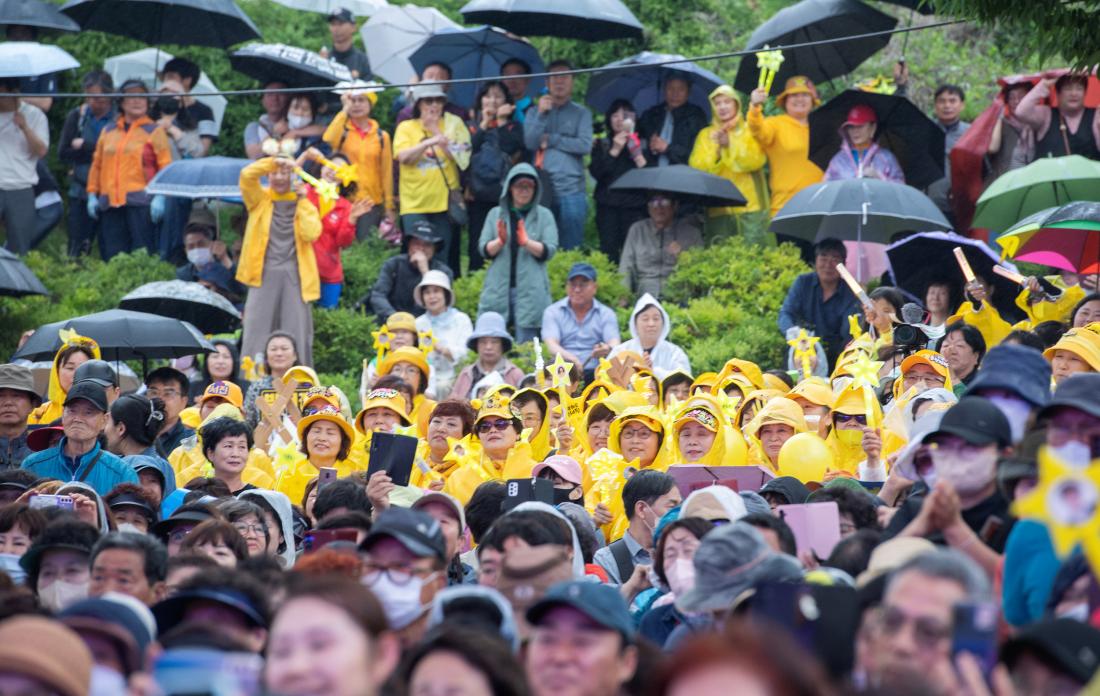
848	418
500	425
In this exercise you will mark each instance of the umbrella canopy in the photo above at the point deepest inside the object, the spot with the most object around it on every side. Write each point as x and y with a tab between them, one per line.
588	20
926	257
1011	239
208	311
295	66
683	183
1068	238
867	210
925	7
35	13
393	33
146	63
217	23
121	335
359	8
16	280
1046	182
128	381
902	128
815	20
206	177
478	52
31	59
643	83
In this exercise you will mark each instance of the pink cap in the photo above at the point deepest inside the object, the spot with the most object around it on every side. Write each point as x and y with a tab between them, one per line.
563	466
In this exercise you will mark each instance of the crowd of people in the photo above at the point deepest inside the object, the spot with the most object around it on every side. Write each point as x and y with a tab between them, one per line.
616	521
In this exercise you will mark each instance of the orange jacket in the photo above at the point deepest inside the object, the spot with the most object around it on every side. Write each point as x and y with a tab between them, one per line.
372	154
117	168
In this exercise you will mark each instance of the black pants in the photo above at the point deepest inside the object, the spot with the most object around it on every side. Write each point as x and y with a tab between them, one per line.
612	223
479	210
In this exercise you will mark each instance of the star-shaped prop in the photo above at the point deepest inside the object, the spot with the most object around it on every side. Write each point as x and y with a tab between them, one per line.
768	62
382	339
804	348
344	172
1067	501
559	372
426	341
606	469
854	327
864	374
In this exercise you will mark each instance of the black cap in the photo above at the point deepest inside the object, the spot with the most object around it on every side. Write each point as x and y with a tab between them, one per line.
977	421
170	612
163	528
89	391
422	229
341	14
1073	646
98	371
1079	392
417	531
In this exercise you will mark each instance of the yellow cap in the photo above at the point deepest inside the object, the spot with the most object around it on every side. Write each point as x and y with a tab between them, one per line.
227	391
1082	342
382	398
401	321
813	389
499	405
930	358
305	375
413	356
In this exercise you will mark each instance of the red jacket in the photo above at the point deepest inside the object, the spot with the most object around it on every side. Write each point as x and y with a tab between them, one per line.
337	233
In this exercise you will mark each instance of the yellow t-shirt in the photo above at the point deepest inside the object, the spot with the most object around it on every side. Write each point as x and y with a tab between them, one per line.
424	183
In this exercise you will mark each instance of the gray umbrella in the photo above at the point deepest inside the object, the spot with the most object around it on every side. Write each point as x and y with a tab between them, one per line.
861	210
35	13
191	302
683	183
16	280
121	335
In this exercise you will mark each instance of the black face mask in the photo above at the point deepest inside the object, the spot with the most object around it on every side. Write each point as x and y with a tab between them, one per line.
563	495
168	105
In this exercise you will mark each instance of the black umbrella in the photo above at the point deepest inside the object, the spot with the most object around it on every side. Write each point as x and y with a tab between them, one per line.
16	280
814	20
862	210
588	20
193	303
925	7
217	23
121	335
35	13
295	66
683	183
903	129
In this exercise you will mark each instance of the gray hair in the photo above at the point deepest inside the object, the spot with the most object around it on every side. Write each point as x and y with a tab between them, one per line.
154	554
947	564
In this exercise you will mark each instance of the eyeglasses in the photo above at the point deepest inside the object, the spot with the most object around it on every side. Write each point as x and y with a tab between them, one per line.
162	393
499	424
928	633
399	575
641	433
246	529
849	417
660	203
178	534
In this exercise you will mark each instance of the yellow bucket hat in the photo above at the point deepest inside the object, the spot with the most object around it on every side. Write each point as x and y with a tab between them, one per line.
1083	342
799	84
328	410
401	321
382	398
413	356
815	390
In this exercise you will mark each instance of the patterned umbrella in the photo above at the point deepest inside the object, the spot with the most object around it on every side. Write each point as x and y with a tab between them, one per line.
191	302
295	66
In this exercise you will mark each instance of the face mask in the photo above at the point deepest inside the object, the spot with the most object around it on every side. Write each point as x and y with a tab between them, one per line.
9	563
968	474
106	682
127	527
400	602
200	256
681	576
296	122
562	495
1073	453
849	438
812	422
655	580
1016	411
1077	612
60	595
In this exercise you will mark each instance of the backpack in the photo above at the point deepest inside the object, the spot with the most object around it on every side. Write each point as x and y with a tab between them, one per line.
488	168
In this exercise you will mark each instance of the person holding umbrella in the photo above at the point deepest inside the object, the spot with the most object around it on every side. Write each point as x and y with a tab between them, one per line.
79	136
786	138
668	130
277	260
860	156
728	149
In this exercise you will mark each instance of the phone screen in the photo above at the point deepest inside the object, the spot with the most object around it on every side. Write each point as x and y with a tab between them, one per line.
976	633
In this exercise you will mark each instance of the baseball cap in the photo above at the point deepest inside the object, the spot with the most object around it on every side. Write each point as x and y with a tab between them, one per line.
171	612
927	357
581	270
426	91
341	14
1077	391
417	531
563	466
975	420
89	391
19	378
422	229
449	501
601	603
98	371
223	390
1017	369
1073	646
126	622
859	115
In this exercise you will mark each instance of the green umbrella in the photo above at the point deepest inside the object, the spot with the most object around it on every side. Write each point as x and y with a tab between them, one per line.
1011	239
1044	183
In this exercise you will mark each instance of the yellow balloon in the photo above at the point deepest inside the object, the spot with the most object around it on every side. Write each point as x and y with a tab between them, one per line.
737	452
806	457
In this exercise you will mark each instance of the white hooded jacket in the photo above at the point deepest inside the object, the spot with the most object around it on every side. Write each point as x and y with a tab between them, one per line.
667	357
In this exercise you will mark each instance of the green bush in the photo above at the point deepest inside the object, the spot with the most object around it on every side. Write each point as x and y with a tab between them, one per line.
362	262
342	339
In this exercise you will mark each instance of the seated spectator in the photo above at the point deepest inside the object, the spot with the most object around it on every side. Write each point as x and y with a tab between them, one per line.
272	124
235	602
400	274
647	496
24	139
118	630
1077	352
133	508
668	130
649	329
963	347
173	388
208	259
616	153
40	656
1049	656
187	74
219	540
579	327
860	157
128	563
57	563
449	327
819	301
654	245
492	342
518	238
17	399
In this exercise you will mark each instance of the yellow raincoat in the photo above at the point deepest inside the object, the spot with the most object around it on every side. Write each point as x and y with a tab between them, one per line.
741	160
1058	310
651	418
848	448
778	410
50	410
188	460
987	320
728	448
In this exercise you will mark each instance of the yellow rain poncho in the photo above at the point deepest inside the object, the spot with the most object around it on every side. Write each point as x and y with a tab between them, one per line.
987	320
847	445
292	480
477	468
650	418
778	410
50	410
1057	310
741	159
728	448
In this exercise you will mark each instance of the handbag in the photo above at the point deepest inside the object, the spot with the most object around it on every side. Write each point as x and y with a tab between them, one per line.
456	204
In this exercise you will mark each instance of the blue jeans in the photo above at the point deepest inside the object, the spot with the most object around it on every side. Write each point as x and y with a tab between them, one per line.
125	229
571	212
330	295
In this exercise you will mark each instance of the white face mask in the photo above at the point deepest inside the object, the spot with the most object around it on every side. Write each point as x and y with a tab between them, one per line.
106	682
199	256
681	576
812	422
1017	411
60	595
296	122
127	527
400	602
1073	453
1077	612
969	474
9	563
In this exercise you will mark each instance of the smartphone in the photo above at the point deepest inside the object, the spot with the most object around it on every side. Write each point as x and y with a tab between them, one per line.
976	633
317	539
525	490
45	501
325	476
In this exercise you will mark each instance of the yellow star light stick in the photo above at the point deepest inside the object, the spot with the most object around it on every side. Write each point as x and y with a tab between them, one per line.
854	327
1066	501
768	62
559	374
804	348
865	378
381	342
344	172
326	190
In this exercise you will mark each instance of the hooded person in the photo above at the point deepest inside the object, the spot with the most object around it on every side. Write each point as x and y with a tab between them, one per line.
280	522
714	503
727	148
747	375
411	365
747	408
860	157
650	326
855	452
1078	350
74	351
784	490
638	434
519	238
503	454
449	327
778	421
577	557
534	410
815	396
703	435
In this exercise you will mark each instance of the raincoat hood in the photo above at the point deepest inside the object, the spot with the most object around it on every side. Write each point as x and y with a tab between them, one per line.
281	505
521	169
101	507
578	557
778	410
714	503
508	630
740	370
640	306
651	417
539	439
728	448
727	91
140	462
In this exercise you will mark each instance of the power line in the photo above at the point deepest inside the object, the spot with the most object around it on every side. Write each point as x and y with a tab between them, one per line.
574	71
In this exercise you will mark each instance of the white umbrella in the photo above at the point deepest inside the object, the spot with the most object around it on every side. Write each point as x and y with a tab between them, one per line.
394	33
31	59
144	64
359	8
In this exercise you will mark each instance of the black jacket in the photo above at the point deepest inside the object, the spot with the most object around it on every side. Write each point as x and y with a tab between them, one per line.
687	121
606	169
393	291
